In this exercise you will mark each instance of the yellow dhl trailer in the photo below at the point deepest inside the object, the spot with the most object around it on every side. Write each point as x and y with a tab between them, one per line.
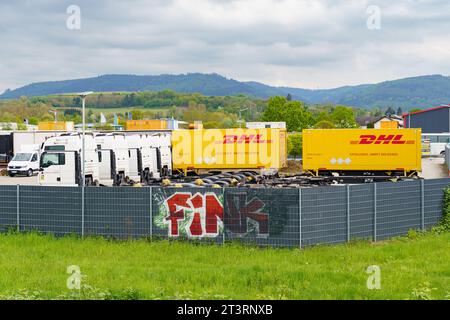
56	126
228	149
136	125
386	152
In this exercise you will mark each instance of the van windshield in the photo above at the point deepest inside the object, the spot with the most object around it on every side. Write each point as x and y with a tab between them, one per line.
22	157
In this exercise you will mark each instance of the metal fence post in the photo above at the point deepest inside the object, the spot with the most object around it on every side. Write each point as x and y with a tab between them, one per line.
348	213
300	217
223	221
151	213
374	212
422	204
18	207
82	211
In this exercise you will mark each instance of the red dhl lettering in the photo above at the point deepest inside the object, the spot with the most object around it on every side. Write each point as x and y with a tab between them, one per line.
382	139
252	138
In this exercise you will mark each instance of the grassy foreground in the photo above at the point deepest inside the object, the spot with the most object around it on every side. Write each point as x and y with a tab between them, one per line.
34	266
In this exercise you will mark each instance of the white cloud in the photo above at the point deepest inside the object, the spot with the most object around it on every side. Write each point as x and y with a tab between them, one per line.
305	43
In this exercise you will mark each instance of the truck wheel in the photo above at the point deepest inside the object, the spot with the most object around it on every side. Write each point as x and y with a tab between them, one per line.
88	181
29	172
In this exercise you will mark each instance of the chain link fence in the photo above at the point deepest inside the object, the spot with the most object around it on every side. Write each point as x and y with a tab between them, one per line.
266	217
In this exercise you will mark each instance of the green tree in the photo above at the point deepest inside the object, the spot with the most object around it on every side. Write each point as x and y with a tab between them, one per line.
104	127
7	127
324	124
21	126
33	120
294	113
322	116
137	114
76	102
390	111
294	144
343	117
274	109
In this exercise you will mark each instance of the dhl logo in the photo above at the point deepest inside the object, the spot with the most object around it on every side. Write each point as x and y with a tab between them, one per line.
382	139
247	139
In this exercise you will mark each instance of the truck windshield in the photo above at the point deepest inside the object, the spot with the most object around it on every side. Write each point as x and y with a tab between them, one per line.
22	157
52	159
55	148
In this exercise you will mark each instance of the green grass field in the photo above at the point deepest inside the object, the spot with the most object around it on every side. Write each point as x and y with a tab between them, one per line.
35	266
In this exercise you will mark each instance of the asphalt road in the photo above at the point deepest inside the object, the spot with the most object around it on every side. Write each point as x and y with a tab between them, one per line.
19	180
434	168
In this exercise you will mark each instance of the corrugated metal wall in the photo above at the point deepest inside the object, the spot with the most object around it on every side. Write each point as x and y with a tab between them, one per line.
433	121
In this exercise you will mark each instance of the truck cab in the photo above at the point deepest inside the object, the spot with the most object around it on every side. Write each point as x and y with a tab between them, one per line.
162	142
113	158
143	157
61	161
25	162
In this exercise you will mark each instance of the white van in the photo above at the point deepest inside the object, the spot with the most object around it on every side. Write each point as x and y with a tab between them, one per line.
25	162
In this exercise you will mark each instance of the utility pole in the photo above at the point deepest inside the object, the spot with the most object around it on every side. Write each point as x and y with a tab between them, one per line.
83	96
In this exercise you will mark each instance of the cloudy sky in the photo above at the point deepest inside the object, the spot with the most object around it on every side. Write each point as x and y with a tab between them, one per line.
301	43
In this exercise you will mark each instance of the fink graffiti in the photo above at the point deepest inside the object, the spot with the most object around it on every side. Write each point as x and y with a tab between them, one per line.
244	217
200	215
194	215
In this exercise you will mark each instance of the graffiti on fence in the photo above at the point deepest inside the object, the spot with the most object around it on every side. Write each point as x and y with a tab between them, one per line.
209	214
193	215
245	217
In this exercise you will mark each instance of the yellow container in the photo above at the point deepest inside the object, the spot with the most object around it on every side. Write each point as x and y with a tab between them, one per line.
135	125
56	126
389	125
362	150
229	149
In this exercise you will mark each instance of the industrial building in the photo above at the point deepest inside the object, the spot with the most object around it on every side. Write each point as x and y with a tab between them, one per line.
433	120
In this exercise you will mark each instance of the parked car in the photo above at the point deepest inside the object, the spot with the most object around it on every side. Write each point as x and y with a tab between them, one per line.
25	162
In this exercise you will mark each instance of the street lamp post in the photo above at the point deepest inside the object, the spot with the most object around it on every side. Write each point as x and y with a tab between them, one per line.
83	96
240	115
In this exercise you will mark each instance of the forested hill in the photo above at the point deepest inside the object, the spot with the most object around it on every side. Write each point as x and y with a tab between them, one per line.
422	91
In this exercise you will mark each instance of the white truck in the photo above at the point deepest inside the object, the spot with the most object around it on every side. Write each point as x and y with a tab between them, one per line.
113	158
162	142
25	162
62	157
143	158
